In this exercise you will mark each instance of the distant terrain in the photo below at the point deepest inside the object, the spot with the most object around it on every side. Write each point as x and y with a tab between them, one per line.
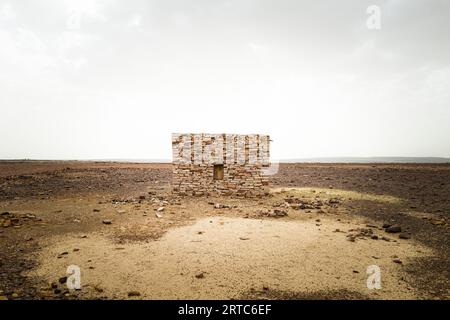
369	160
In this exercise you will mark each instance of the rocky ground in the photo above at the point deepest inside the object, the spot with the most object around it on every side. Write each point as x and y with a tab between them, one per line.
312	237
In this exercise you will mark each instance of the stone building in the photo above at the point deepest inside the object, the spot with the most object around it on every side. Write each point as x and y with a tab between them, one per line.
220	164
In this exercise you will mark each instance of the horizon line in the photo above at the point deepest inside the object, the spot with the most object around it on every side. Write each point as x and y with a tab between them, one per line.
365	159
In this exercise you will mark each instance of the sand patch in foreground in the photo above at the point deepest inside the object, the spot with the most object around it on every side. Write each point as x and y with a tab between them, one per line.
222	258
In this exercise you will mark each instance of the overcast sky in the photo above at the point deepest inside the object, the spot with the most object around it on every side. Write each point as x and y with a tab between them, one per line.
99	79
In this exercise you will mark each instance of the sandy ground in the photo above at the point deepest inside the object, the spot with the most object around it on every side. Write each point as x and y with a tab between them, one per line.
232	257
194	250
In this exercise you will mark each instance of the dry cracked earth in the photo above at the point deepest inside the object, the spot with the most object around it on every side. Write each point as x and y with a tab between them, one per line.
313	237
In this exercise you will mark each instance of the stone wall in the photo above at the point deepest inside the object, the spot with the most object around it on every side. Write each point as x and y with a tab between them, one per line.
242	158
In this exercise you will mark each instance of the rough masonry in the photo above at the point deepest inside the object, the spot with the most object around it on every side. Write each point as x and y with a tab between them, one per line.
220	164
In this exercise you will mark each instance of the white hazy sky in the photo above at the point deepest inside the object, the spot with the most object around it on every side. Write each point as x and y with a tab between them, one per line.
97	79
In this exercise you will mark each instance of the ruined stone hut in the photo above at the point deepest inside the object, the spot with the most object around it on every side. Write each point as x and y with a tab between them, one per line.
220	164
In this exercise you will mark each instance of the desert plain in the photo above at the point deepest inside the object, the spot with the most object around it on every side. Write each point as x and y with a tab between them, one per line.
314	236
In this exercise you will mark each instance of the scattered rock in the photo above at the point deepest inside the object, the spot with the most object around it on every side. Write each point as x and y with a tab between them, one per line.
292	199
279	213
30	216
333	201
244	238
404	235
6	223
386	225
360	233
393	229
397	261
10	219
223	206
96	210
134	294
62	280
200	275
438	222
276	213
107	221
98	289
